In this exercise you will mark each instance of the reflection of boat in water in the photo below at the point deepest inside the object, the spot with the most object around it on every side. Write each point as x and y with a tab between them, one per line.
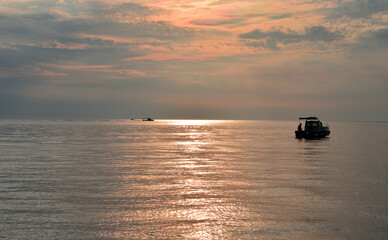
313	129
148	119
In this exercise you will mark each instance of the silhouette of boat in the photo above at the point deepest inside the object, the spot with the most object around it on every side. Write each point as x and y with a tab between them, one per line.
313	129
148	119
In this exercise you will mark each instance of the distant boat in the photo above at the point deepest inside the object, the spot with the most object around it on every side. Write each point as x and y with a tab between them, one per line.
313	129
148	119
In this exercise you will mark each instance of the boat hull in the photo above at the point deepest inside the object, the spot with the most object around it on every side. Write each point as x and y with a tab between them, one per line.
312	135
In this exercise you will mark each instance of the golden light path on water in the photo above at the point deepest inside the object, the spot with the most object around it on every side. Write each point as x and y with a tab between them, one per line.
198	182
190	182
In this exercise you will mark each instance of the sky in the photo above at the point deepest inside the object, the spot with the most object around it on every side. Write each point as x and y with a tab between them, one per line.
194	59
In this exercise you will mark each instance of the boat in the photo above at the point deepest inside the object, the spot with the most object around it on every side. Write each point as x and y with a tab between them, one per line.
148	119
313	129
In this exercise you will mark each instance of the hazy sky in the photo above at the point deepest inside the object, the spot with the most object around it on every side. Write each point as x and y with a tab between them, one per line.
216	59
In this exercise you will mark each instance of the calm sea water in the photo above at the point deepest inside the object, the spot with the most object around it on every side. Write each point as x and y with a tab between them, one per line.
174	179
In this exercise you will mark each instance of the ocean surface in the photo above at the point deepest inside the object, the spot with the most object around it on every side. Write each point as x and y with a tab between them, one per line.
191	179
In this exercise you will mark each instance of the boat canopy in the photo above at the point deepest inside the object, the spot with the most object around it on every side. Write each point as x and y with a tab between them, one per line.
308	118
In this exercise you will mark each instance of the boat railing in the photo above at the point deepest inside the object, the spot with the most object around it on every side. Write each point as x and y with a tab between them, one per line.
326	126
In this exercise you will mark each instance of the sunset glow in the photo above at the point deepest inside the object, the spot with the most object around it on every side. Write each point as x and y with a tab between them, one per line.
212	59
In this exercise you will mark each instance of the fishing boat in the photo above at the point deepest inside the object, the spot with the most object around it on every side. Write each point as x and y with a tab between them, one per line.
313	128
148	119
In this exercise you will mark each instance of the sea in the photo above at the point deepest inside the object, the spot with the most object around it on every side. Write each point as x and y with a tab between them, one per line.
191	179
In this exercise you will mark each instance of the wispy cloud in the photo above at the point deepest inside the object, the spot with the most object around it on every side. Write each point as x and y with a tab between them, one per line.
356	9
271	38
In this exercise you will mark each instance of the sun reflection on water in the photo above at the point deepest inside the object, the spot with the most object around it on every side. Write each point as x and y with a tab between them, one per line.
186	122
185	187
200	201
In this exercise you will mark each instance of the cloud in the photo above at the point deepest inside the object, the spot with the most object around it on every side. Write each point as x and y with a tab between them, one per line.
216	22
125	20
281	16
125	12
22	55
272	37
356	9
268	43
373	40
76	32
382	35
